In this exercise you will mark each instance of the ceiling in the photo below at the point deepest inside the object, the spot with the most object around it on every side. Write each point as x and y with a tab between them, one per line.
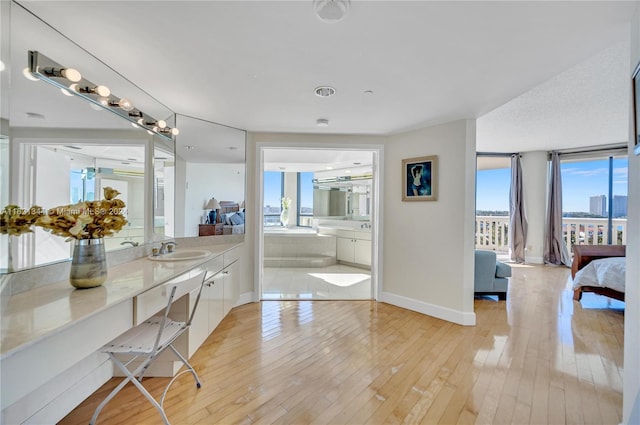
517	66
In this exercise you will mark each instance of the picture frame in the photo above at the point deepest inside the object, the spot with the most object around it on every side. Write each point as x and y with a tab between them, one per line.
420	179
635	90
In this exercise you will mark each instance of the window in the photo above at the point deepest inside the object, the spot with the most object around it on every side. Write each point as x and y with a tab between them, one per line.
594	191
273	192
82	185
493	183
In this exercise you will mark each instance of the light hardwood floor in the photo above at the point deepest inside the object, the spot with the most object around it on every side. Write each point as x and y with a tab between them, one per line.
537	358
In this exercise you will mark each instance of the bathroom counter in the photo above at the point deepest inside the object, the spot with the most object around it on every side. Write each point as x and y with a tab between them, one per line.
39	313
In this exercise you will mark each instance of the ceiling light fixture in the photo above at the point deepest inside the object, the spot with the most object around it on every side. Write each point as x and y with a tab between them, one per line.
99	96
322	122
331	11
324	91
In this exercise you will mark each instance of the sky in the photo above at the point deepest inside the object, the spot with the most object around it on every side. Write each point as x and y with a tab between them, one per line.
580	180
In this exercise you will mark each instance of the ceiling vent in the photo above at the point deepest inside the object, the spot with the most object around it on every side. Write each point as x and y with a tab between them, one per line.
331	11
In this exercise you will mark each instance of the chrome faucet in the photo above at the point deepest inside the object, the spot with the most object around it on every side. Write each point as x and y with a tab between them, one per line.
167	247
365	226
130	242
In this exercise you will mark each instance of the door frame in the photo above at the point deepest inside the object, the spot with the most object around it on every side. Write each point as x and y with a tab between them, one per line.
376	206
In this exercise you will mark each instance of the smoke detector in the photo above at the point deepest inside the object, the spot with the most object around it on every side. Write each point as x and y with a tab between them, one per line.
331	11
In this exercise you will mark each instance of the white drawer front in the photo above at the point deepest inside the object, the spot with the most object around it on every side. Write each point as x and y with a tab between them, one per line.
362	235
231	256
154	300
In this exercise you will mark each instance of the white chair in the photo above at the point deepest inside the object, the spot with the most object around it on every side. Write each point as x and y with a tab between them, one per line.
148	340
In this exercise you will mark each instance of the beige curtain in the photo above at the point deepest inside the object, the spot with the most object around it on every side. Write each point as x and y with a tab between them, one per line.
517	216
555	249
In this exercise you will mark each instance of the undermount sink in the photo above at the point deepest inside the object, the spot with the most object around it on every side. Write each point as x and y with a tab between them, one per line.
186	254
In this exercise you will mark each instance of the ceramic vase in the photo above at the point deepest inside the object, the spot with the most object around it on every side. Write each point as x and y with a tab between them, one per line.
284	217
88	264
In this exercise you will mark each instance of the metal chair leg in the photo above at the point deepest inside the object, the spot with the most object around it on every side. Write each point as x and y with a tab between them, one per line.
130	377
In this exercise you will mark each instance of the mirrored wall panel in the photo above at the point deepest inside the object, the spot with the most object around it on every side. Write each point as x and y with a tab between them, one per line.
59	149
210	168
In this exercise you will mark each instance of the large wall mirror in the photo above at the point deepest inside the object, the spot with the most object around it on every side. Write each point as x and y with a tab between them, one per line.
58	149
210	163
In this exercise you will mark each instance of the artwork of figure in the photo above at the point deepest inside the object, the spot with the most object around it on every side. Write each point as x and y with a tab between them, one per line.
419	179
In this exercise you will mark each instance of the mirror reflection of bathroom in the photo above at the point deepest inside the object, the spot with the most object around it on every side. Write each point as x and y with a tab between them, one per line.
317	233
164	165
71	173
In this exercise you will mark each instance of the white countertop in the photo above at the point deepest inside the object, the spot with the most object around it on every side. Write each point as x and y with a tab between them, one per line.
38	313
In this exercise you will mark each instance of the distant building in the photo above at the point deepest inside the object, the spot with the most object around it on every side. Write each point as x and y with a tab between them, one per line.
619	206
598	205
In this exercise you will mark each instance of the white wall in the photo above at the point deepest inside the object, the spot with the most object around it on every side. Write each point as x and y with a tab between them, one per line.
225	182
631	393
535	169
426	247
428	255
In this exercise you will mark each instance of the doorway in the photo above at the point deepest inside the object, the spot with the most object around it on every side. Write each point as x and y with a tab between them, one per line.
318	233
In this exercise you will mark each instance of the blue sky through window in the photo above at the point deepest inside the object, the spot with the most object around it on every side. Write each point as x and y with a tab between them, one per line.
580	181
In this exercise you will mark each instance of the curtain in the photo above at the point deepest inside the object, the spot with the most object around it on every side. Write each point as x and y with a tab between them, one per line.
555	249
517	218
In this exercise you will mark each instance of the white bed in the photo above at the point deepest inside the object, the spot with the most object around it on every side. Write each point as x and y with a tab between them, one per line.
602	273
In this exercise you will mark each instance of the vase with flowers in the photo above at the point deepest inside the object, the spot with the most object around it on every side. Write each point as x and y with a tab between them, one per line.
86	224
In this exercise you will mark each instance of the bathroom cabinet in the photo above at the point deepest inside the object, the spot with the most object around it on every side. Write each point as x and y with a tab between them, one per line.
50	335
220	293
353	246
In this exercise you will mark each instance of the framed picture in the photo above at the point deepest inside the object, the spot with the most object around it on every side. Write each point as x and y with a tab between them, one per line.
635	88
420	178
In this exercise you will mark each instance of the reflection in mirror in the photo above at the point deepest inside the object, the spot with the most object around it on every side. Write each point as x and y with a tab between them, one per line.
55	175
164	166
210	163
351	201
63	148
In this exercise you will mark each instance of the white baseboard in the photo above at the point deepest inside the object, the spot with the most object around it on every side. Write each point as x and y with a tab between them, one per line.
246	298
444	313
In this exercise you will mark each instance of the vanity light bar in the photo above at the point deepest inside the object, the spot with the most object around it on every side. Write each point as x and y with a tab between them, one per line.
55	74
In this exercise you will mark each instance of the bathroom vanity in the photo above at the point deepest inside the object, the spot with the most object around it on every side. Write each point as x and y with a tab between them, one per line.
51	334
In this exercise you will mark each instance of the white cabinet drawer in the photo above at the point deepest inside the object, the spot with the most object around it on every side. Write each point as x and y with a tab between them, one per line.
214	265
345	234
154	300
362	235
231	256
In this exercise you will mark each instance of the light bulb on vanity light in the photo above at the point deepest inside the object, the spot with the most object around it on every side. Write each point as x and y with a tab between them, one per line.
175	131
70	74
102	91
161	123
124	104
